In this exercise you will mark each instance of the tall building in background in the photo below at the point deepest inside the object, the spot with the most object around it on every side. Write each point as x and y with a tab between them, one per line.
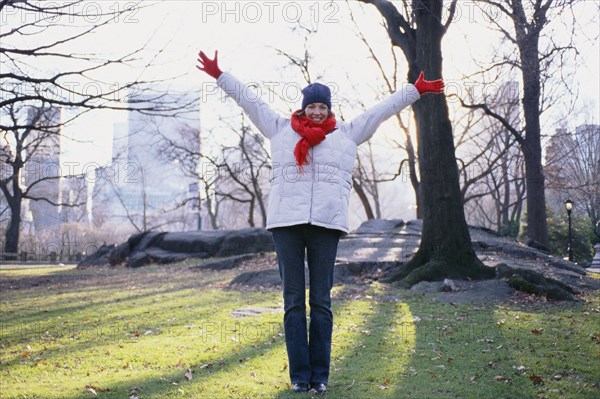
42	171
119	144
73	192
146	185
149	149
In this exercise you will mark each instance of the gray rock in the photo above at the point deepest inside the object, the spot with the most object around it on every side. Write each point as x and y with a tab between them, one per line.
161	247
246	241
380	226
477	292
448	285
257	278
98	258
427	287
227	263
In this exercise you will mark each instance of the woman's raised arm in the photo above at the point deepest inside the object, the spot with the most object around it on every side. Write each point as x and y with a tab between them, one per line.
259	112
364	126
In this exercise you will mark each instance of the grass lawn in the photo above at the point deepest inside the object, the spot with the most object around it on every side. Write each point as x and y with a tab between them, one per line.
168	332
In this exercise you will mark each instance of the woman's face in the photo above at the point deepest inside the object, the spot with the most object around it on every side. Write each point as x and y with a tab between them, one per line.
317	112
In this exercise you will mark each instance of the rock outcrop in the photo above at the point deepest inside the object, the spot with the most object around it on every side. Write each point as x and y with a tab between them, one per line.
161	247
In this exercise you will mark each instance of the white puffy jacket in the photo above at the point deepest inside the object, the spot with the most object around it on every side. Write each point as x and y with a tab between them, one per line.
320	195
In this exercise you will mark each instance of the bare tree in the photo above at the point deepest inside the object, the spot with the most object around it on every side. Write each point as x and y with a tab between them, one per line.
573	167
25	84
492	181
445	248
246	166
536	56
410	162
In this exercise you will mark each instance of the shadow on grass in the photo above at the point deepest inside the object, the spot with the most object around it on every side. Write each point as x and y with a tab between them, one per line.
14	322
487	350
216	371
22	329
449	352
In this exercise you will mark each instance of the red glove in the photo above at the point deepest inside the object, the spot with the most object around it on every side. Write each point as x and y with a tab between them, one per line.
429	86
209	66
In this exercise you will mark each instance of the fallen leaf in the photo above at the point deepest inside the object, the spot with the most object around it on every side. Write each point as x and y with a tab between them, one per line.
94	390
188	374
500	378
386	381
537	331
536	379
133	393
25	354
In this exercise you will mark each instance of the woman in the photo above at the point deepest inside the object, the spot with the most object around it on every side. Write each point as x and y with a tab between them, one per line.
313	156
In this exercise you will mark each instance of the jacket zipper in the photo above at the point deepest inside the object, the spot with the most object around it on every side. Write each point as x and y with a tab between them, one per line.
312	186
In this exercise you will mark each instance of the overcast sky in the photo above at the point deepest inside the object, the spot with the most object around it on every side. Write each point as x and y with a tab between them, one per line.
246	33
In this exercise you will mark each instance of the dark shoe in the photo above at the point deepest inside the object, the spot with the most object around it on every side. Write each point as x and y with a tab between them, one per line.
319	387
299	387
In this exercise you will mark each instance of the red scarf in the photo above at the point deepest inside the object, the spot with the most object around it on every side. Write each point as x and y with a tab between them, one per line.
312	134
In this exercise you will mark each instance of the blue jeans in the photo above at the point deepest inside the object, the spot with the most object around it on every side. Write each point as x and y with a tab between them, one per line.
309	359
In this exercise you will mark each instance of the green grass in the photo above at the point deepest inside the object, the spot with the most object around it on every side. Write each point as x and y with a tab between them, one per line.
67	333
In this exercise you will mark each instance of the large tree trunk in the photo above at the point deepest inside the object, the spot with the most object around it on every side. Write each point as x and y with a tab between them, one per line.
445	249
11	247
537	229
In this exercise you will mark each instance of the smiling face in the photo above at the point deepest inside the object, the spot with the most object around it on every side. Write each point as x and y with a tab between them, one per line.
317	112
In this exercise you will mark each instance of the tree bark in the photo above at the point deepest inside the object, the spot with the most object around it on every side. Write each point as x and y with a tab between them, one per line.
445	249
11	247
537	229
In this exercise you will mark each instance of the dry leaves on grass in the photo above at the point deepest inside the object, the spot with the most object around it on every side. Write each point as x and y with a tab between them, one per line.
188	374
536	379
134	393
384	385
94	389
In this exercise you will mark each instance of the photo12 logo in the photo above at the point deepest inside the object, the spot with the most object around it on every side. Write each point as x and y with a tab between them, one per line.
270	11
63	12
290	92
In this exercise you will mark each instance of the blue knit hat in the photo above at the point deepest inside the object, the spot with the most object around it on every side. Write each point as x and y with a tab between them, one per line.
316	93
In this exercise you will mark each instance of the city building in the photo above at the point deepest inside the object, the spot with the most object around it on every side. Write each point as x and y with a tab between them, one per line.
146	185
